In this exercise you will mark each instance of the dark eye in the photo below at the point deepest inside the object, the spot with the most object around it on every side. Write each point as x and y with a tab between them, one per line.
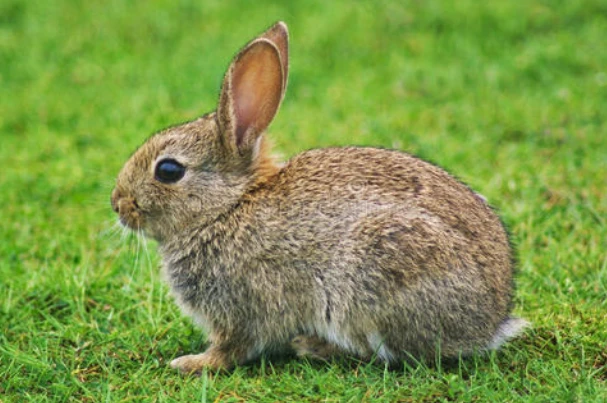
169	171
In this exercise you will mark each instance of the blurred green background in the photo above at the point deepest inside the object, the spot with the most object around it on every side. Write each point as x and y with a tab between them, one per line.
510	96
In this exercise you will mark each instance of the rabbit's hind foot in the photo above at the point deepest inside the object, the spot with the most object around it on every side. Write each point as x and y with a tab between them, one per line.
314	347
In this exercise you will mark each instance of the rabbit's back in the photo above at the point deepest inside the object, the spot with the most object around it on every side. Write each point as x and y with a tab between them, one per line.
344	184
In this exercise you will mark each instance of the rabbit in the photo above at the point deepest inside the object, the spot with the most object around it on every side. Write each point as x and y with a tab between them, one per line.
368	252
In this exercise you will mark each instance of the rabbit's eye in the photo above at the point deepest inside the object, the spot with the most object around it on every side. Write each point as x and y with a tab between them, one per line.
169	171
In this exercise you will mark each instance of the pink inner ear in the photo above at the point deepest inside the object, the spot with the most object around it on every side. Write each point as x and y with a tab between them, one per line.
256	91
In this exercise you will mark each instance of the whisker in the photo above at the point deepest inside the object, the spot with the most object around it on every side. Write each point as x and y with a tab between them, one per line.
112	229
126	234
147	260
137	251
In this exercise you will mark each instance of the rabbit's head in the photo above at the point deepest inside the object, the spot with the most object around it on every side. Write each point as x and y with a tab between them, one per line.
193	173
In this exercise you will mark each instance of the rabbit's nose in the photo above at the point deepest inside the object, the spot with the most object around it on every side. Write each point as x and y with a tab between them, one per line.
114	200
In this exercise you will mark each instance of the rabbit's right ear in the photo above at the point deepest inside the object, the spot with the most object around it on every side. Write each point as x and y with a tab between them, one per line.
253	89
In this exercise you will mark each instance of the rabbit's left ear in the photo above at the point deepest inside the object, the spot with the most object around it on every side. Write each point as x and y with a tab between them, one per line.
252	90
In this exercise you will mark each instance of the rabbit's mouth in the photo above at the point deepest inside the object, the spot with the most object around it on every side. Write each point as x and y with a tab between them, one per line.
131	220
128	211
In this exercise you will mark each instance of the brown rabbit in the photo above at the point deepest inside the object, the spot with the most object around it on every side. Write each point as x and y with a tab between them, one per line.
362	251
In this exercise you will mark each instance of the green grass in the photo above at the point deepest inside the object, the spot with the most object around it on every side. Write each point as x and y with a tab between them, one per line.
509	95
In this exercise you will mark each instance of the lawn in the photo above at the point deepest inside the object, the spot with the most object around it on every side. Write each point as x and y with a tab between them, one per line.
511	96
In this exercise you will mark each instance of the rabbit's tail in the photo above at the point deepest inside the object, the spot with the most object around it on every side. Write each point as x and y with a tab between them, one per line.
509	329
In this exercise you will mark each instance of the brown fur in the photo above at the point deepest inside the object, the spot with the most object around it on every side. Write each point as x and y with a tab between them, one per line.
350	250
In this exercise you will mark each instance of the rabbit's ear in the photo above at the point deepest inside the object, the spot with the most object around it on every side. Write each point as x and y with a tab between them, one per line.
278	34
252	91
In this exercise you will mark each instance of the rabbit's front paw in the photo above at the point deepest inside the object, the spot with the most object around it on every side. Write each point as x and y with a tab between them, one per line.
194	363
